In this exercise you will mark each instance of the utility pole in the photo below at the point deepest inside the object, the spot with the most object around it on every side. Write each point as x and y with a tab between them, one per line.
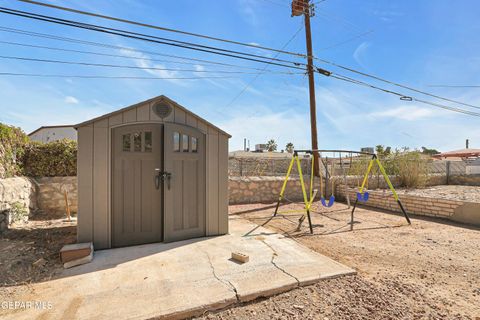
303	7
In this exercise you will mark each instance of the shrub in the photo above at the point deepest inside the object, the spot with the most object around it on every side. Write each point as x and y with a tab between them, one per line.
56	158
18	212
12	144
411	167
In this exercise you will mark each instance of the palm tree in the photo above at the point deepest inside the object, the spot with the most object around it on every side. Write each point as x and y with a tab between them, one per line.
271	145
289	147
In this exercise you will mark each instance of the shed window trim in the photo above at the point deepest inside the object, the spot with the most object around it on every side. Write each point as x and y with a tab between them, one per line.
185	143
176	141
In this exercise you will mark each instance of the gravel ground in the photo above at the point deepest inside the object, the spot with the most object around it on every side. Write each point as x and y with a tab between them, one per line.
30	253
429	270
461	193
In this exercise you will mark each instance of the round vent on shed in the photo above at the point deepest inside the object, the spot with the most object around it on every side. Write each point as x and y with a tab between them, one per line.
162	109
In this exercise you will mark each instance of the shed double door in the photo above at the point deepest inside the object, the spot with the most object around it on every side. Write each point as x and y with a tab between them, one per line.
158	183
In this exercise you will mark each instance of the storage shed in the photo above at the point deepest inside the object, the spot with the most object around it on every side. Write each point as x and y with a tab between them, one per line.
151	172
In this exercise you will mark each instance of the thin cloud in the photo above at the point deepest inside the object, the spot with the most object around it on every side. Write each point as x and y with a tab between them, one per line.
144	62
267	125
71	100
405	113
248	12
360	53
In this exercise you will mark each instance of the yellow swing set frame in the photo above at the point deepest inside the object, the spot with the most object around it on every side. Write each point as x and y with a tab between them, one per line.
308	198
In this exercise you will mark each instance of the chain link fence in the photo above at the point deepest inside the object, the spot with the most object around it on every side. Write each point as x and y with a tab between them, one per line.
259	166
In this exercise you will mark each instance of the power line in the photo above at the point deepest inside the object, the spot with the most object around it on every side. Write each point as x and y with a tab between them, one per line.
404	97
193	46
104	45
453	86
264	69
142	24
128	67
149	38
89	26
337	44
107	77
93	53
395	84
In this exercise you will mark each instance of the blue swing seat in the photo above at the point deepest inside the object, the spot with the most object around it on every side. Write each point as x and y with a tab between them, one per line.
331	201
363	197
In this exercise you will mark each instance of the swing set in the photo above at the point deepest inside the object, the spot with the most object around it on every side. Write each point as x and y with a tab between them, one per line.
362	194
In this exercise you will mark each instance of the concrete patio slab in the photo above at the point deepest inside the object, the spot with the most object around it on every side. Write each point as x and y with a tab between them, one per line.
182	279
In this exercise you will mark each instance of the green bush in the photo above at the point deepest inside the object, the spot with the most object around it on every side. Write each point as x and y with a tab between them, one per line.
411	167
18	212
57	158
12	145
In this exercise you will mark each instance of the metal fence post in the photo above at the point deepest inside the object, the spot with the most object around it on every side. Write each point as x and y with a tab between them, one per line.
447	165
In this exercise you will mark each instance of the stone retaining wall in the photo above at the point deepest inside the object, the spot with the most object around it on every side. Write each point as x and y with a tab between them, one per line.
51	196
465	180
46	194
18	190
467	212
263	189
266	189
30	196
17	200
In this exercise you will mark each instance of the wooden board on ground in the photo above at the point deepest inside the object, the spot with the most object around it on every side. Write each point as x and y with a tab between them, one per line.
75	251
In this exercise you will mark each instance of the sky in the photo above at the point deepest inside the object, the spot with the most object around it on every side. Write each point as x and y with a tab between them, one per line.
417	43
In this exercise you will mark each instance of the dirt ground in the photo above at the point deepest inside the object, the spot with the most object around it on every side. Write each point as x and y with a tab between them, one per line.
451	192
30	252
429	270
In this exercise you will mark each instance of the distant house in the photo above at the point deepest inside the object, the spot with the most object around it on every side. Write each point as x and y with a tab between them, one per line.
461	154
53	133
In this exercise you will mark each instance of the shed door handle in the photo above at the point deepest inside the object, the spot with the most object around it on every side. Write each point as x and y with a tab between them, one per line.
162	175
157	180
167	176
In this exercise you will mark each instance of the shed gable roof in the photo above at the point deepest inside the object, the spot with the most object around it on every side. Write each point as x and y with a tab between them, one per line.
158	98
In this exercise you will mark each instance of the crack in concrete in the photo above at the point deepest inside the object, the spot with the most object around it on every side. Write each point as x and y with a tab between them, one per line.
224	281
274	253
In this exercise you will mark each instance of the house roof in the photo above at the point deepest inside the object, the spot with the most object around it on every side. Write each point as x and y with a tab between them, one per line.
462	153
148	101
50	127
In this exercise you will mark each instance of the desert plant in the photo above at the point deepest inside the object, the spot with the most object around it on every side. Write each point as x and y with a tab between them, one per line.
411	168
289	147
18	211
429	152
271	145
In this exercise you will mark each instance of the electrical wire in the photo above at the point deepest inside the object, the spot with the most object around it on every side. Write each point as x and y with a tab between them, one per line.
142	24
209	49
337	44
108	77
264	69
395	84
453	86
104	45
149	38
127	67
408	98
93	27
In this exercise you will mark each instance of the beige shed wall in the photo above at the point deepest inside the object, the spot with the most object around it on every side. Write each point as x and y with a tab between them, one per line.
94	164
